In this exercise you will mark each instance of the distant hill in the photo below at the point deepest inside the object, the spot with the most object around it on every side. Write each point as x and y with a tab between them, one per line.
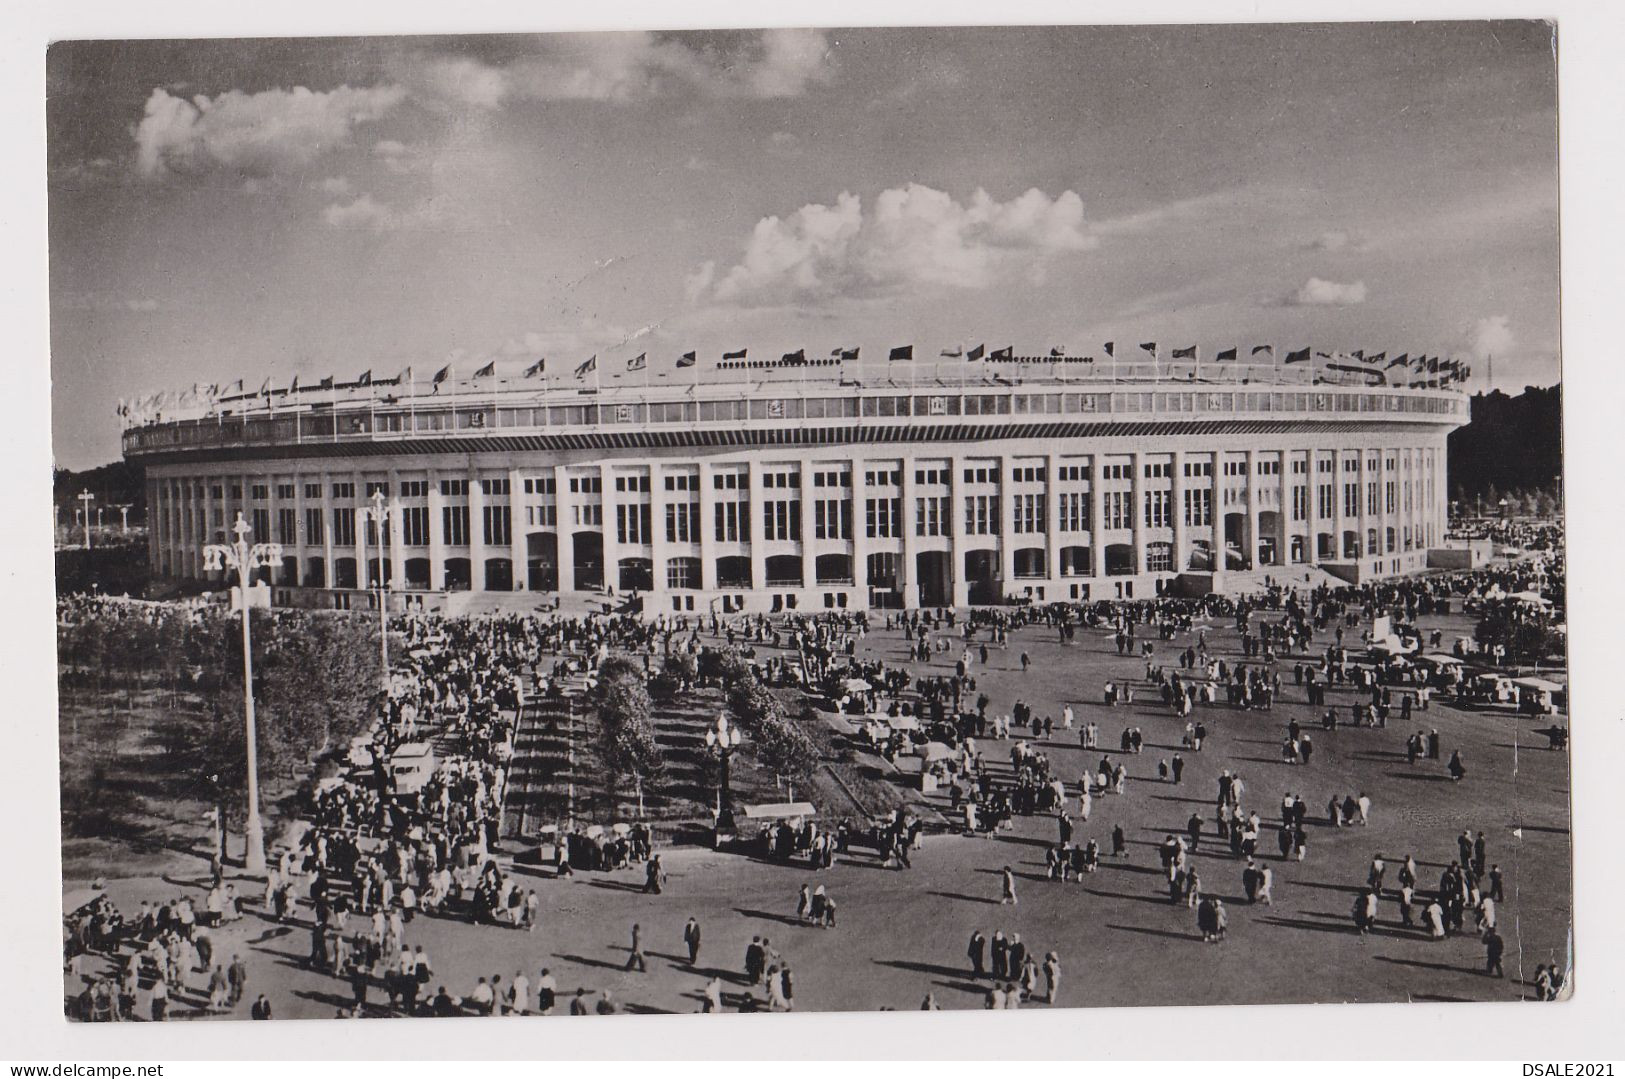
1510	444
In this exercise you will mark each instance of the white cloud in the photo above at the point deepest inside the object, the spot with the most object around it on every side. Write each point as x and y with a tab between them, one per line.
254	133
361	213
1320	293
623	67
334	185
913	236
1491	336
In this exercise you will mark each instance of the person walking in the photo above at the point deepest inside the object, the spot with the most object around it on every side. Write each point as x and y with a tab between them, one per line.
1052	977
975	952
691	939
1494	947
1008	895
637	960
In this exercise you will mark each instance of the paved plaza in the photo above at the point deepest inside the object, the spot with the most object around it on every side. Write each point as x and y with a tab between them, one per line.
903	933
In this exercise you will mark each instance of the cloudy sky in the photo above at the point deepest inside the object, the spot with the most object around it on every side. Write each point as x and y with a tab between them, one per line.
236	209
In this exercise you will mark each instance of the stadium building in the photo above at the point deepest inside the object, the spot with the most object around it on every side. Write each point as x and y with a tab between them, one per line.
810	488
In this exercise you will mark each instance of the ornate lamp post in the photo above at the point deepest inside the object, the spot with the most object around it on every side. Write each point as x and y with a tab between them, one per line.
723	739
378	513
245	559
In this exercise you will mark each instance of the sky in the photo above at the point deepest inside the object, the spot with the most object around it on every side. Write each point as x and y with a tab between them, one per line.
248	208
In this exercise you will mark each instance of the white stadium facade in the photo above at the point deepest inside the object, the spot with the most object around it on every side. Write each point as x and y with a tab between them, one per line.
810	488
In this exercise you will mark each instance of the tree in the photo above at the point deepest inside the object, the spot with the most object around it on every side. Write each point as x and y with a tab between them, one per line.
784	749
627	741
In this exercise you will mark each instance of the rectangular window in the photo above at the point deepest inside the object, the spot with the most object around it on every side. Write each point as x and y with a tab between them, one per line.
343	527
682	521
1199	506
1351	500
931	516
313	492
377	487
414	488
782	519
1325	500
454	488
495	486
287	525
260	522
259	492
313	526
832	519
415	526
343	491
732	521
284	492
454	524
1156	509
632	523
498	526
883	517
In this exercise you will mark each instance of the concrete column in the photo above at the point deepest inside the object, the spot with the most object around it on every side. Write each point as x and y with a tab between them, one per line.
397	536
658	550
860	532
437	533
300	532
758	528
1363	506
906	492
1137	477
611	545
1285	525
707	525
956	531
1097	519
476	531
1007	532
1052	526
1252	509
518	546
329	580
809	560
1176	509
565	503
1216	516
363	579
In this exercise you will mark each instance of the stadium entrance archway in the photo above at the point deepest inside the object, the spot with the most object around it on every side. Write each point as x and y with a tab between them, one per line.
883	573
542	561
417	573
1268	551
783	570
1235	542
1326	546
1351	543
290	570
1075	561
733	571
982	576
343	573
459	574
1119	559
833	569
589	552
934	570
1201	556
499	575
377	574
636	575
315	572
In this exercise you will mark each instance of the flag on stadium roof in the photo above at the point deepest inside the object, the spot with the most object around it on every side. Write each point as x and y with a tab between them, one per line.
441	375
1057	352
975	354
687	359
955	352
1184	353
1149	346
796	357
1225	354
1268	350
537	368
1400	361
587	366
487	371
1297	356
735	355
1110	348
638	362
902	352
365	378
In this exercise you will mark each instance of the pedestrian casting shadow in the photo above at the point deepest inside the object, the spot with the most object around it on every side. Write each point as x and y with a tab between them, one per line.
1424	776
966	898
586	962
272	934
1160	901
1438	998
1424	966
647	1009
769	916
616	885
1155	932
1187	801
1352	889
1343	930
926	968
680	963
332	1000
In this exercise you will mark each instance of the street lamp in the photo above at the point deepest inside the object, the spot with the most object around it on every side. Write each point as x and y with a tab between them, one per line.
723	739
87	498
378	514
245	559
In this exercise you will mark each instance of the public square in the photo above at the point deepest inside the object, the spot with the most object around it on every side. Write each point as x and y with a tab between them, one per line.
902	933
